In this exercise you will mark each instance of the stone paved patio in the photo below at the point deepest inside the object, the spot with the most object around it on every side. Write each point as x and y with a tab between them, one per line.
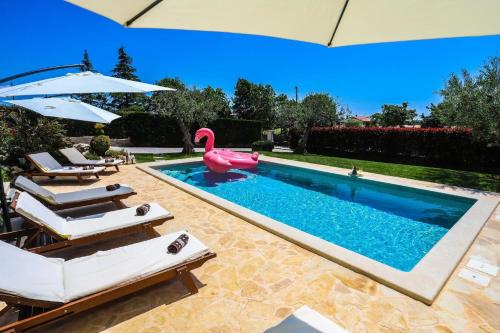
258	279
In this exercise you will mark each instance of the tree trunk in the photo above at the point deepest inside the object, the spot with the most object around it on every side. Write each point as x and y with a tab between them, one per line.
302	144
186	138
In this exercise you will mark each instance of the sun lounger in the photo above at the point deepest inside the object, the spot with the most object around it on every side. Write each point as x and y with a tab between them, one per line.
57	288
67	232
306	320
77	158
46	165
80	198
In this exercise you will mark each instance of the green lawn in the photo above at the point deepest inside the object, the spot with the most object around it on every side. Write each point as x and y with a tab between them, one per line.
475	180
144	158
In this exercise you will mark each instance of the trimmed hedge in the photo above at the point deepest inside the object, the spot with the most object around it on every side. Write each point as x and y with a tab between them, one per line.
446	147
145	129
78	127
235	132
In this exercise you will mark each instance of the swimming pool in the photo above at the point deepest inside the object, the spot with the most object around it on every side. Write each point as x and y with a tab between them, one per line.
391	224
410	238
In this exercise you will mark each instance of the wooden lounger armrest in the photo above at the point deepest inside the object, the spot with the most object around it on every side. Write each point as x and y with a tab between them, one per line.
14	235
14	300
13	204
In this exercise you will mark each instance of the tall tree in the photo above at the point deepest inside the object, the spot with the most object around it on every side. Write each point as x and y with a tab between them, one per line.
395	115
187	106
99	99
473	101
87	64
125	70
255	102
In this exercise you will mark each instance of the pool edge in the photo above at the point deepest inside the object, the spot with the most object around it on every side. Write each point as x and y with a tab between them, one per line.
434	269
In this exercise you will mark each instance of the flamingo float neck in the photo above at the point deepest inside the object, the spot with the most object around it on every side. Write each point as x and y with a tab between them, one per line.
206	132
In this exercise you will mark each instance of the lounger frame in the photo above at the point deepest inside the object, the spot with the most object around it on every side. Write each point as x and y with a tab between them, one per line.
40	172
61	242
106	165
49	312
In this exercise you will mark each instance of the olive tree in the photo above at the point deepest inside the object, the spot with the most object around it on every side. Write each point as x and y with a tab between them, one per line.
315	110
473	101
187	106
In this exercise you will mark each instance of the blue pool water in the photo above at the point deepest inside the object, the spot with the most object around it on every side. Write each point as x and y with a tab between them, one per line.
394	225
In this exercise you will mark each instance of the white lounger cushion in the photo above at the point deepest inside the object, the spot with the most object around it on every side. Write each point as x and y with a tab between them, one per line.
32	209
88	225
27	185
92	193
73	155
48	164
306	320
69	197
116	219
33	276
46	161
102	270
30	275
76	157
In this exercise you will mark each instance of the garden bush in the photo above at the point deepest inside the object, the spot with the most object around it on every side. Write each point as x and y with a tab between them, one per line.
23	132
446	147
263	145
115	153
100	144
91	156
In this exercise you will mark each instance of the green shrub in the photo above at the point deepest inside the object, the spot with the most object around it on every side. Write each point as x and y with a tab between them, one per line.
115	153
263	145
23	132
100	144
91	156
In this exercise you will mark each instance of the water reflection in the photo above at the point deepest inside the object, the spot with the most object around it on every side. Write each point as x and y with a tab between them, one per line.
212	179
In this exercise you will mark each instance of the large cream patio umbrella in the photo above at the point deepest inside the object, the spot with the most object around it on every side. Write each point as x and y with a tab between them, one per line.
327	22
80	83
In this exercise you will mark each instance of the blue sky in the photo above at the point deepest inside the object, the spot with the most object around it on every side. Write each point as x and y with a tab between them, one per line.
45	33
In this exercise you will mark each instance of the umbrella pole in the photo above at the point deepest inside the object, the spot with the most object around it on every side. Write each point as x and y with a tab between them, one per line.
3	199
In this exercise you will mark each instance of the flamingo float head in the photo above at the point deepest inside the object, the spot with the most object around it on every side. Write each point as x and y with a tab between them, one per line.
205	132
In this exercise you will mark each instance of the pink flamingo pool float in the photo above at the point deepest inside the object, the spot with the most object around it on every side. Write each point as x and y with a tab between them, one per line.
221	160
